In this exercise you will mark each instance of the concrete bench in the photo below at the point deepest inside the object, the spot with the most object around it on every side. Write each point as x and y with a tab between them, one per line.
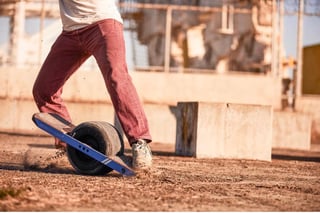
224	130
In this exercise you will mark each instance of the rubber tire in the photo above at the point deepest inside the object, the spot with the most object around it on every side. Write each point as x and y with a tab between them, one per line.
102	137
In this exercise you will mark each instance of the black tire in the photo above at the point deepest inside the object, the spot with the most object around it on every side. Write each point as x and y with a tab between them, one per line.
102	137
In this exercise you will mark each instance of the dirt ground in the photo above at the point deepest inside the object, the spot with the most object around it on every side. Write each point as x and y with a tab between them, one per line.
291	182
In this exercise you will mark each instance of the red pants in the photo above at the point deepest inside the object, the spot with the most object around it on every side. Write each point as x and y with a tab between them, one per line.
104	40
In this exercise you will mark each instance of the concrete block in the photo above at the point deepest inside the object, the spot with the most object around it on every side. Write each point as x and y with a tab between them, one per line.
224	130
292	130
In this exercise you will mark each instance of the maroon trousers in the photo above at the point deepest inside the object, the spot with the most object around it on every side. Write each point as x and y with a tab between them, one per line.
104	40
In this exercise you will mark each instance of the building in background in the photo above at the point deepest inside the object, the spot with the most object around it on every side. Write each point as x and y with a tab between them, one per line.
185	36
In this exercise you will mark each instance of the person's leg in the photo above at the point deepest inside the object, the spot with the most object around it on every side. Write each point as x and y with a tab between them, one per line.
110	55
63	59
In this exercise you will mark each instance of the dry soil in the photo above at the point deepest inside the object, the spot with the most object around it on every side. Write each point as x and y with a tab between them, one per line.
290	182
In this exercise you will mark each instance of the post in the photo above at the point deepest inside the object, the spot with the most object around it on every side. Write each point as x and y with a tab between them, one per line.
280	43
17	22
275	43
41	31
298	73
168	40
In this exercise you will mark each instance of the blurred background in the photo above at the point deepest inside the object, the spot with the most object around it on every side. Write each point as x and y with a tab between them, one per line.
258	51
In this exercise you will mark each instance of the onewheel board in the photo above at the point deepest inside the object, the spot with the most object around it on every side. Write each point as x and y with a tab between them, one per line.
62	129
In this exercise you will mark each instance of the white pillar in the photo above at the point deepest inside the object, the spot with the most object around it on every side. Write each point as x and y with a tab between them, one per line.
168	40
17	24
298	83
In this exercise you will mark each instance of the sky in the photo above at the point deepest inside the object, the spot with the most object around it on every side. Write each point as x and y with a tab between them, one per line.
311	33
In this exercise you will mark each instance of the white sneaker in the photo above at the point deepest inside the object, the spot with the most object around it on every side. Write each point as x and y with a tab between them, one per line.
141	155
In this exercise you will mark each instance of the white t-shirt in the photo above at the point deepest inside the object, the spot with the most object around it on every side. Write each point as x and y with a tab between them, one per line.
76	14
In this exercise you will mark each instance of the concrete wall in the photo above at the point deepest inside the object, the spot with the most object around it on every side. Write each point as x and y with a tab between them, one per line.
310	105
87	98
291	130
159	88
